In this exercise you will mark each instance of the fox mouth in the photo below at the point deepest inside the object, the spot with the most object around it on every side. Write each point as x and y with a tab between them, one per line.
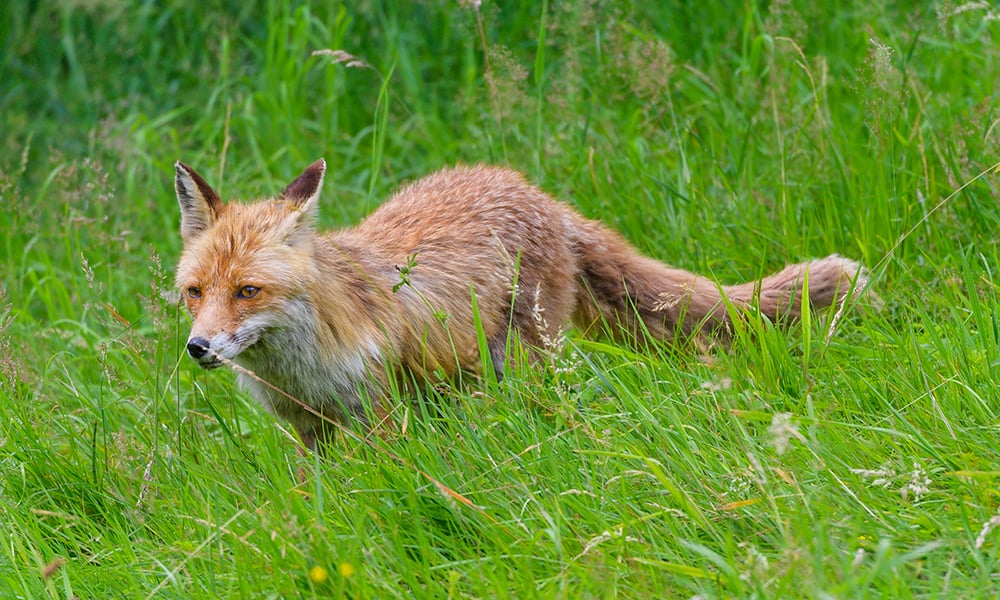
209	363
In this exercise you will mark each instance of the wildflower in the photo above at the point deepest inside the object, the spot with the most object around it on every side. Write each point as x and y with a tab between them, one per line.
345	569
918	485
881	477
318	574
782	431
756	563
913	487
988	526
723	383
859	558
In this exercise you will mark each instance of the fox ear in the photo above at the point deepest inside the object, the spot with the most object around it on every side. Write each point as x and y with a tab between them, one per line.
304	191
200	204
303	194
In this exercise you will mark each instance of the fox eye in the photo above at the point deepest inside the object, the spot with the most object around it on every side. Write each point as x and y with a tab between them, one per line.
194	292
247	291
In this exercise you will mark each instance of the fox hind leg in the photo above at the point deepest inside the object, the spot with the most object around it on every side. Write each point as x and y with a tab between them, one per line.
498	353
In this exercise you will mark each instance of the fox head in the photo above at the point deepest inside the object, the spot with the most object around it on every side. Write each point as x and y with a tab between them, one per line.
245	268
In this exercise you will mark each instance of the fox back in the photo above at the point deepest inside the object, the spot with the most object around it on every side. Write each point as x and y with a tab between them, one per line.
317	322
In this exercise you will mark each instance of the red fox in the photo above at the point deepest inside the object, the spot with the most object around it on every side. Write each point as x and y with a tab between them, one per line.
467	253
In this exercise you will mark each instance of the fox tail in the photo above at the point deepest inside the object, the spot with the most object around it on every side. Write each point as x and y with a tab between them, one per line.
633	293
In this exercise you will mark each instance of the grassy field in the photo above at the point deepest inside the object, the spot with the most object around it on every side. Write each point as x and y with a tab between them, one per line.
726	139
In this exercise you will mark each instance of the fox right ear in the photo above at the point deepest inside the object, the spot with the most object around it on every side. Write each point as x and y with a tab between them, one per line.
304	191
200	204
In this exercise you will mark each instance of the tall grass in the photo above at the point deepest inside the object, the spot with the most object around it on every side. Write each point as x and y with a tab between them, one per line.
727	140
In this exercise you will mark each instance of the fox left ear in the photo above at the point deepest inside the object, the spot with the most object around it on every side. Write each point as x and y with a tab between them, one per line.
200	204
304	191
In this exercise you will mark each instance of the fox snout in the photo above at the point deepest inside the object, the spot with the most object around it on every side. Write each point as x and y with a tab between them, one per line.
200	349
197	347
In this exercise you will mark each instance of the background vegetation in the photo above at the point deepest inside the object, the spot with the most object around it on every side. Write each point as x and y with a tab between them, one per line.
724	139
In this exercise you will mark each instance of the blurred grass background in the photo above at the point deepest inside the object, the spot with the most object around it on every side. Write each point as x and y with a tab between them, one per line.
724	138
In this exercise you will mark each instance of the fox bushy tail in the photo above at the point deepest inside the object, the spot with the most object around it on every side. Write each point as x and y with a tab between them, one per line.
638	296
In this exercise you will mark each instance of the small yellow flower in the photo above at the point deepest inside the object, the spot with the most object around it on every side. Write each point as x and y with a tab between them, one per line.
345	569
318	574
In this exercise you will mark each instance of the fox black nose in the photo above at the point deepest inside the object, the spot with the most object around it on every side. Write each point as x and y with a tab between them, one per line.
197	347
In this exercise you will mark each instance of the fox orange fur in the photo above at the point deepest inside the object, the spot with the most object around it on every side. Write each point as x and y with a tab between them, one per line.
329	318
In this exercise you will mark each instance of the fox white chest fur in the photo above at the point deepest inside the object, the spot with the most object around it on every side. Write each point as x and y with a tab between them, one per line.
319	324
290	352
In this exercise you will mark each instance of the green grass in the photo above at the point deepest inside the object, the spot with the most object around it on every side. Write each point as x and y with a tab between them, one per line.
726	140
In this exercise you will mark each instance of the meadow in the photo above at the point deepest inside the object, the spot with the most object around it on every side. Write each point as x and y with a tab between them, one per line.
847	459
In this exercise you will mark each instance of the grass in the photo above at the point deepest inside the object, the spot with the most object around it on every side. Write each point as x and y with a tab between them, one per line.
726	140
